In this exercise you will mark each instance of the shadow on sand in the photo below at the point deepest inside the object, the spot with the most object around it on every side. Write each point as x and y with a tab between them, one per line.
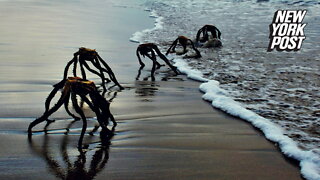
65	165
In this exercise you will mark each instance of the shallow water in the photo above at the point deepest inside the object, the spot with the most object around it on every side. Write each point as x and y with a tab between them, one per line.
282	87
38	38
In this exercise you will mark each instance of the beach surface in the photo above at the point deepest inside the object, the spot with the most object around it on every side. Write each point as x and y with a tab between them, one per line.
165	130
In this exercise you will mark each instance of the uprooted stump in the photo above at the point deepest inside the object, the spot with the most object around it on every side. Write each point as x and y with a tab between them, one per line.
85	55
73	87
150	50
183	41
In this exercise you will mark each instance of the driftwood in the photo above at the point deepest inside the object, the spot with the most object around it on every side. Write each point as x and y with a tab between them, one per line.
150	50
85	55
71	88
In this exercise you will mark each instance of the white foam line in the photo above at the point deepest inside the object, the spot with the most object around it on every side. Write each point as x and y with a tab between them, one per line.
137	36
309	161
219	98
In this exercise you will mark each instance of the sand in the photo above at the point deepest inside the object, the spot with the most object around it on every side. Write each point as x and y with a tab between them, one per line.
165	133
165	130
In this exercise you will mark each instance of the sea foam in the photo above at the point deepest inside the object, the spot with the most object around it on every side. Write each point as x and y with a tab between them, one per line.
137	37
219	98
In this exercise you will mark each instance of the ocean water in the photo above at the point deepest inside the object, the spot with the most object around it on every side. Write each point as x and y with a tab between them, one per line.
278	92
38	38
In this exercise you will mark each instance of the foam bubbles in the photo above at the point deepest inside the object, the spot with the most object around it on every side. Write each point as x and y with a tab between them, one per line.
230	67
137	37
219	98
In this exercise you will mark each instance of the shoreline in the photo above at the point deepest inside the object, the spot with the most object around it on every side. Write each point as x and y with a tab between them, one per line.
157	137
164	130
219	97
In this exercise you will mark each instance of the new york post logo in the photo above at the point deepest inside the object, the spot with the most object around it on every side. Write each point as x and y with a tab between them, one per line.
287	30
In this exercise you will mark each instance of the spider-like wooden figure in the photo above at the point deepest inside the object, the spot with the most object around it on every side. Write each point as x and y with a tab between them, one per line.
71	88
150	50
183	41
91	55
215	33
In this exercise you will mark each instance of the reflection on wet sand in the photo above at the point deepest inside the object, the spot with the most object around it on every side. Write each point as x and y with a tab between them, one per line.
73	167
146	88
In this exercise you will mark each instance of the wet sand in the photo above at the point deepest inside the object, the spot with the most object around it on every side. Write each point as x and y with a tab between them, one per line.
165	130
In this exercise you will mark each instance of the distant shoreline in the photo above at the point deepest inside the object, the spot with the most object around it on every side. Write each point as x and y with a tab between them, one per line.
165	130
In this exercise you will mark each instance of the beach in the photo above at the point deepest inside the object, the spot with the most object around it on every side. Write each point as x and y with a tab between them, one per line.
165	130
164	133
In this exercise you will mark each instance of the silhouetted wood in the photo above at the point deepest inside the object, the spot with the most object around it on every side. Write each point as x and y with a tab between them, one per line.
71	88
85	55
150	50
205	30
183	41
